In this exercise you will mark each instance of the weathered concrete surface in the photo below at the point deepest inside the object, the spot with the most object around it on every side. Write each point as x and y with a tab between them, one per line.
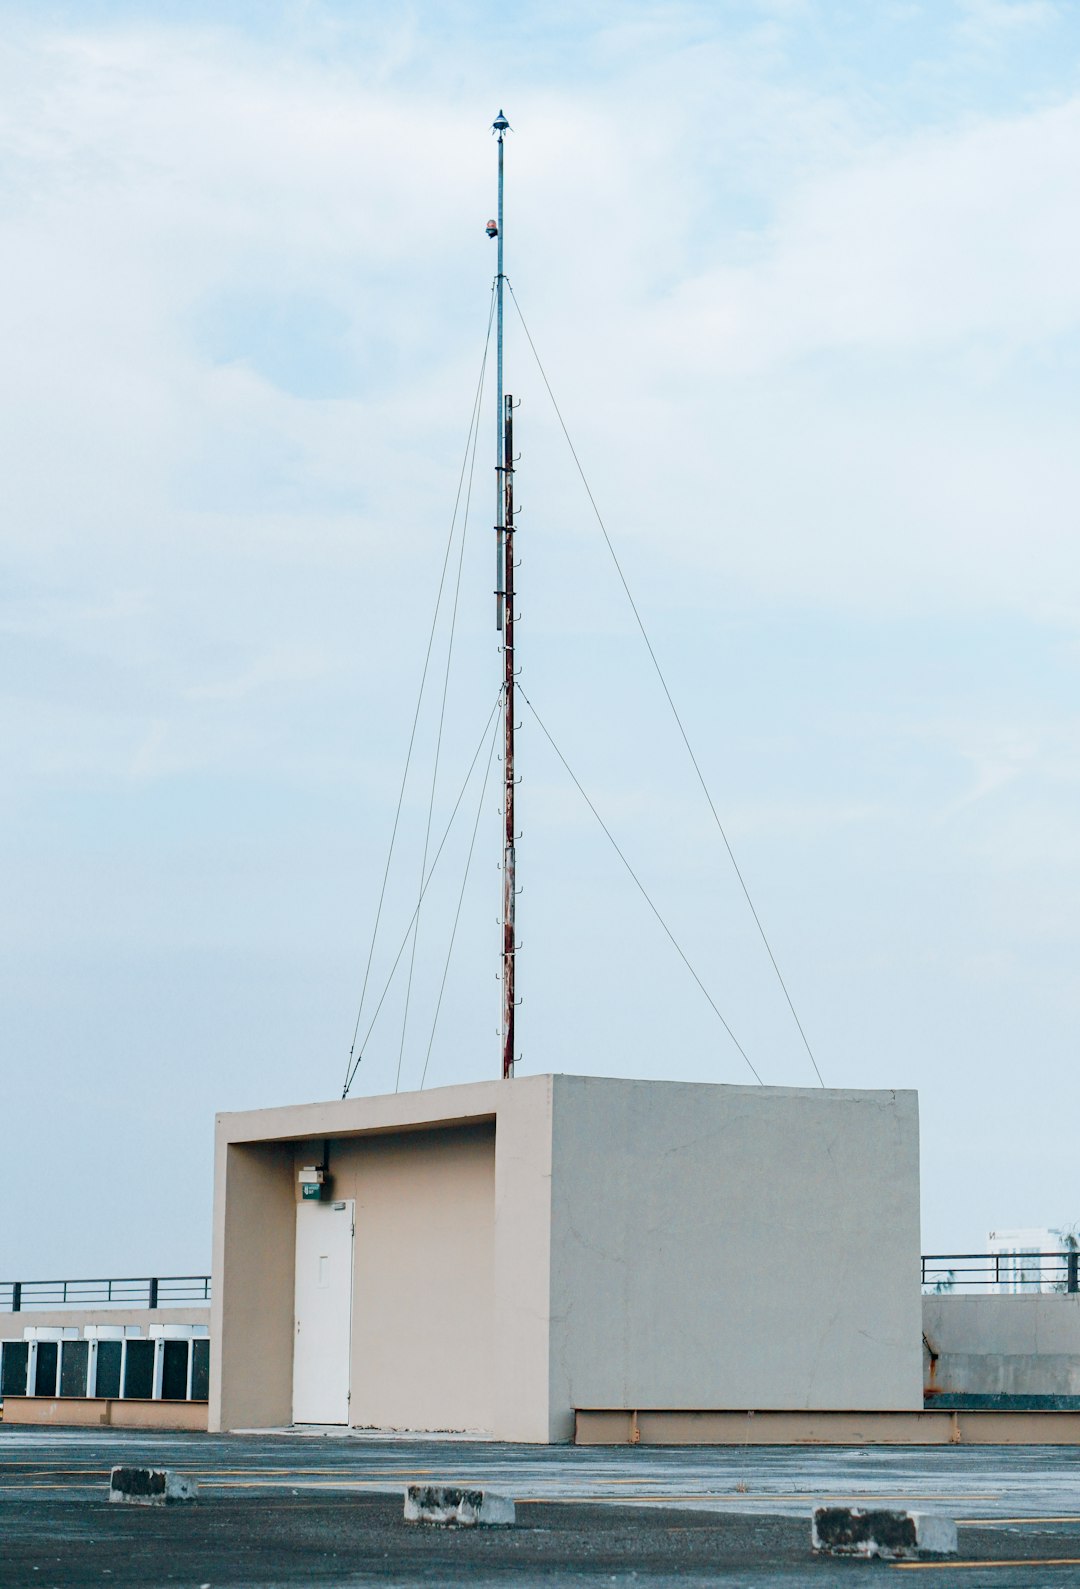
965	1482
151	1487
457	1506
300	1542
888	1535
271	1515
1026	1345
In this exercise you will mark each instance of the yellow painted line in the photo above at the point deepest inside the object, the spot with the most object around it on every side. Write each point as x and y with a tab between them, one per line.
807	1497
7	1480
337	1484
871	1495
987	1522
42	1486
945	1565
298	1478
736	1495
295	1484
616	1500
862	1496
628	1481
708	1497
212	1482
12	1476
189	1467
318	1473
245	1473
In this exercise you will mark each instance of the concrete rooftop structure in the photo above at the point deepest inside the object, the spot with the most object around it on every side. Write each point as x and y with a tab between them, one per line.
489	1257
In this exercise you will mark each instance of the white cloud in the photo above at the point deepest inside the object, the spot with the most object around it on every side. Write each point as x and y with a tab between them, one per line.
270	671
286	177
917	247
986	22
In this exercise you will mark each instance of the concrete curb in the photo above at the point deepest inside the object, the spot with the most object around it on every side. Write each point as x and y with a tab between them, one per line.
454	1506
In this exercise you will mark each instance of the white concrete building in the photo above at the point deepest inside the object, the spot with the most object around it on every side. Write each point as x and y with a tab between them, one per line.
492	1257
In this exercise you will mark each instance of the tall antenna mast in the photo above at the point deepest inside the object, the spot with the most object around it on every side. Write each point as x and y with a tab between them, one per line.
504	620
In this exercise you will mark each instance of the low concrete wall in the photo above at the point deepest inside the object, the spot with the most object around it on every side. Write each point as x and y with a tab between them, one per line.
1023	1346
12	1325
81	1412
970	1428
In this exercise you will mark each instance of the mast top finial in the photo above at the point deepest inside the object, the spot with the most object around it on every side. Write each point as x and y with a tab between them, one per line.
500	124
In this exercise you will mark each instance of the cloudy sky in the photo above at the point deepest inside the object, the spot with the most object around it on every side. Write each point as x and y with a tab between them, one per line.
805	278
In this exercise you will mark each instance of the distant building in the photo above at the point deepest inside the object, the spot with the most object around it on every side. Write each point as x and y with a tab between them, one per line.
1018	1265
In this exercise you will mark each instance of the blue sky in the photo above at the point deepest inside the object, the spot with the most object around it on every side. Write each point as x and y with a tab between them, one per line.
806	280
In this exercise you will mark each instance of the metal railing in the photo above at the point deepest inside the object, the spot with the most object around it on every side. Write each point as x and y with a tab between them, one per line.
159	1291
1001	1271
941	1272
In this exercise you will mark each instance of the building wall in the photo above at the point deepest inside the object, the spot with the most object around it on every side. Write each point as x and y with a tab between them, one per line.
1014	1345
424	1286
523	1259
733	1247
251	1311
12	1325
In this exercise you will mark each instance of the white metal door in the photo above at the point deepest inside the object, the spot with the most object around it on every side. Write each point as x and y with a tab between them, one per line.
324	1268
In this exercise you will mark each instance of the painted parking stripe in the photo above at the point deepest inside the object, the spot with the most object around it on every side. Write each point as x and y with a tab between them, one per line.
996	1522
945	1565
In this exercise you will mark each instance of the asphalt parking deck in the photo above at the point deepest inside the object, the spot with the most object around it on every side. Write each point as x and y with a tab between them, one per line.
303	1509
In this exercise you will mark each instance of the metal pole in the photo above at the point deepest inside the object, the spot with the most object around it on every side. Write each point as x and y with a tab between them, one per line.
504	599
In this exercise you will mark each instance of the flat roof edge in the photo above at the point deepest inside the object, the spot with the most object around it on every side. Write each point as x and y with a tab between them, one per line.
465	1103
469	1103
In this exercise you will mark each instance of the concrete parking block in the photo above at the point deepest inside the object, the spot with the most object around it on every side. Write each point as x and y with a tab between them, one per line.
151	1487
890	1535
455	1506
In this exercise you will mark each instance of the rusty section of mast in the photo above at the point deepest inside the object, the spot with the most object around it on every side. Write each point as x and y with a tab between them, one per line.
509	950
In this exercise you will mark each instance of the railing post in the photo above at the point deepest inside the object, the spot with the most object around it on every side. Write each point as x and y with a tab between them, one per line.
1072	1282
153	1294
16	1296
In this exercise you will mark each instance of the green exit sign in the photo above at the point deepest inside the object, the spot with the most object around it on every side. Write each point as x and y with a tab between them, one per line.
311	1191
